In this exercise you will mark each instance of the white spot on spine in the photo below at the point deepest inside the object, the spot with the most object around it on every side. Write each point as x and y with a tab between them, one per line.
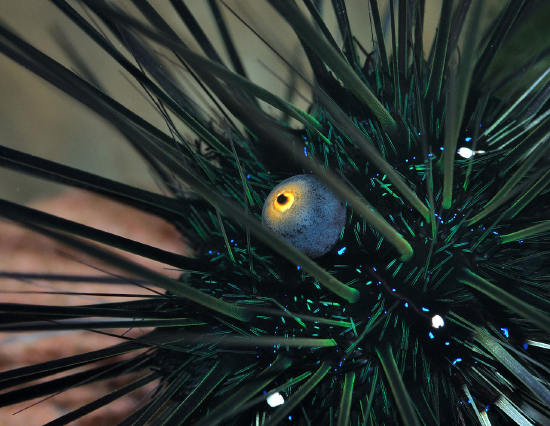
437	321
275	399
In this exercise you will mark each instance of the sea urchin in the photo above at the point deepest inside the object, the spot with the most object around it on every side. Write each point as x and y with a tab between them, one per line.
431	307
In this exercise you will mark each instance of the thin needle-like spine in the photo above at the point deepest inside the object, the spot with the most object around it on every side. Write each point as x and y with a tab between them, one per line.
335	61
496	349
13	210
174	286
526	233
400	394
210	381
300	394
456	102
103	401
345	403
438	68
379	35
503	195
261	341
510	409
366	414
529	195
521	308
179	377
233	403
473	405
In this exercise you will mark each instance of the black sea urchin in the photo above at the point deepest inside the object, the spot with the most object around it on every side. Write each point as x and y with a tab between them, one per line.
431	308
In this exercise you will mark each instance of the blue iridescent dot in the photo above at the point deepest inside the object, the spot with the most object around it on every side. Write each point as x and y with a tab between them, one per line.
505	332
447	343
406	305
341	251
425	309
525	346
305	151
457	360
468	139
431	335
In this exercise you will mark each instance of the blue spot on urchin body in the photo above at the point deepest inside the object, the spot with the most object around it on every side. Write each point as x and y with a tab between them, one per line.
341	251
